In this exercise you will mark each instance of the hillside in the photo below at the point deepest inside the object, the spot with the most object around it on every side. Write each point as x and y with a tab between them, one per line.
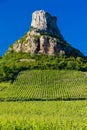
41	77
43	47
49	115
46	85
44	37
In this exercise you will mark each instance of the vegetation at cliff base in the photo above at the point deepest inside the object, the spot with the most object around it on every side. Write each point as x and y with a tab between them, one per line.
25	78
43	80
46	85
12	63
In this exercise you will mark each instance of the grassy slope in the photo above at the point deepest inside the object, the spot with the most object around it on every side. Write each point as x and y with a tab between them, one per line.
50	115
46	84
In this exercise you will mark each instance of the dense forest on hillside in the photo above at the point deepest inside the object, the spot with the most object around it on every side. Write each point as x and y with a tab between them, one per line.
12	63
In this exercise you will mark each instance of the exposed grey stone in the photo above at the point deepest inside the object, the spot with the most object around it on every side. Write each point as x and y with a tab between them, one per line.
45	23
44	44
37	43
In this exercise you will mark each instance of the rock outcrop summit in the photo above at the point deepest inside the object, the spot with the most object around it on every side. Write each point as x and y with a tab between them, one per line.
44	37
44	22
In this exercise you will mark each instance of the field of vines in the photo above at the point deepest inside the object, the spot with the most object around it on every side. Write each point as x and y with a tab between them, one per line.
20	110
46	85
43	115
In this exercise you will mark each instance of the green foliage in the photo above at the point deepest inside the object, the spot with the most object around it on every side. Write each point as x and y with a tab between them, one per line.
15	62
70	65
8	73
52	115
23	39
37	36
31	28
46	85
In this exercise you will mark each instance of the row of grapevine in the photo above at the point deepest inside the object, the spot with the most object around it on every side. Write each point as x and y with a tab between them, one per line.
47	84
50	115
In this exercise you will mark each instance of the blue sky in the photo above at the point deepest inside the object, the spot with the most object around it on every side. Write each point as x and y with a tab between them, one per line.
15	20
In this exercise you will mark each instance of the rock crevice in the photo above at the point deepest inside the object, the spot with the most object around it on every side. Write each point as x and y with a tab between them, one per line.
45	23
44	37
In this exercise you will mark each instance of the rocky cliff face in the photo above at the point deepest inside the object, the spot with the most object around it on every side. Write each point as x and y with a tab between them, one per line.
44	37
44	22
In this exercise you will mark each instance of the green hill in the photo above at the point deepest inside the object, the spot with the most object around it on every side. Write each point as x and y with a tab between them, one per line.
12	63
42	66
46	85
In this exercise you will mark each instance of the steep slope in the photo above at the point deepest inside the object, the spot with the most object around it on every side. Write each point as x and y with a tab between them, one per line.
44	37
42	47
46	85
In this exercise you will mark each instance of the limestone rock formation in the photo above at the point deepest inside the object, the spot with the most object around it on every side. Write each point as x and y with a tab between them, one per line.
44	37
44	22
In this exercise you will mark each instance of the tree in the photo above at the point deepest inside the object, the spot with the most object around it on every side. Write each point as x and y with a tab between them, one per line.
70	65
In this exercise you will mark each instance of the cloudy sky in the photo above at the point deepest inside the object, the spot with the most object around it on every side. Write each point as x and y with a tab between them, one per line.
15	20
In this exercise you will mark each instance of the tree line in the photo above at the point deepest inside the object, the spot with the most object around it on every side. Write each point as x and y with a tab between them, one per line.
11	64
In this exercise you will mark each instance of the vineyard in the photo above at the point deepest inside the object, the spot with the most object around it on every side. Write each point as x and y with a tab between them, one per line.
46	85
48	115
43	85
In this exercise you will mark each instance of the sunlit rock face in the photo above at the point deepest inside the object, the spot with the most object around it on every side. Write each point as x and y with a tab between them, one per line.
44	37
44	22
